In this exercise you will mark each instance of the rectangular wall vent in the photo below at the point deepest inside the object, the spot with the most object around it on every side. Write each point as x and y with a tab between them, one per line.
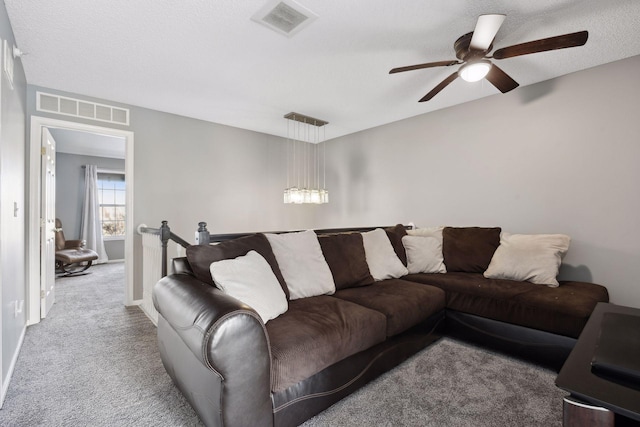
284	16
49	103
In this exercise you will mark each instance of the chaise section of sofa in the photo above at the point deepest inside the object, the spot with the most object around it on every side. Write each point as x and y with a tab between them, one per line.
538	320
563	310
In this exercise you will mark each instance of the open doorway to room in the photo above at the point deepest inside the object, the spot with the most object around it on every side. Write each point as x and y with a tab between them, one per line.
79	147
75	151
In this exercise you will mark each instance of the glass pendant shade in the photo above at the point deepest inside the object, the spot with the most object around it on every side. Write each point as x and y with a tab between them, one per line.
297	195
305	160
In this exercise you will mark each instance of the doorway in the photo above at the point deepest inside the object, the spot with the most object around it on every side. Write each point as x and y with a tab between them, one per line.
34	258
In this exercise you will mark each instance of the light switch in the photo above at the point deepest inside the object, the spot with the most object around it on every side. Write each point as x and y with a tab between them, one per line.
19	305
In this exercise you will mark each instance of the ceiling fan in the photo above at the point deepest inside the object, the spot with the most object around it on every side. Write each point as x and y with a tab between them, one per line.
472	51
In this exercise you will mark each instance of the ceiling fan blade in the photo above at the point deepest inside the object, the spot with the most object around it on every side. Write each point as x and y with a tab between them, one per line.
500	79
438	88
543	45
486	29
426	65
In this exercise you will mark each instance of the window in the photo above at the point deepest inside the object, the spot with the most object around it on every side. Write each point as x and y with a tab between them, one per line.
111	196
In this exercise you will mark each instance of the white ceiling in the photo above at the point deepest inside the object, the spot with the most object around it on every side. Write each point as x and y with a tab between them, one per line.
88	144
209	60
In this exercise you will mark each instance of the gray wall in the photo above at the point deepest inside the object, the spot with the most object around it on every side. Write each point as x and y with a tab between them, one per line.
12	190
70	195
188	170
556	157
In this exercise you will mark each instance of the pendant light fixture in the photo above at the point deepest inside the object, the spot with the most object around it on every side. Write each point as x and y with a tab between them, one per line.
306	153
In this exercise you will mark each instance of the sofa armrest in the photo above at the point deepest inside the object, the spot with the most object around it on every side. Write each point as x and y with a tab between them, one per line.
181	266
229	340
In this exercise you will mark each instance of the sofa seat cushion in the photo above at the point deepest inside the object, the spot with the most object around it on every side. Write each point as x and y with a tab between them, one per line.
405	304
563	310
317	332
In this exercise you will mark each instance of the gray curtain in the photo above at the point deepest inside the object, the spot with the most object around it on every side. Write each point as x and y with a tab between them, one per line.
91	228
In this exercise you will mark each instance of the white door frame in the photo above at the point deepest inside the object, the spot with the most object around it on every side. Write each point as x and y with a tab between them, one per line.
33	220
48	223
4	382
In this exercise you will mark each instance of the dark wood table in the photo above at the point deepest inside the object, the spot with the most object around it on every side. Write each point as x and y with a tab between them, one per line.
594	400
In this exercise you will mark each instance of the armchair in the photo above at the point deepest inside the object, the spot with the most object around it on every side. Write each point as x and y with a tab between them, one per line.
71	256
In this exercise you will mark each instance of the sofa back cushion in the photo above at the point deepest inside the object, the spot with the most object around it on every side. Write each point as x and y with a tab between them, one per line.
346	258
469	249
395	235
200	257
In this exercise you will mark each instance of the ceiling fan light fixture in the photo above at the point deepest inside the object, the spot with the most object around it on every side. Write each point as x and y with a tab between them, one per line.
472	50
475	71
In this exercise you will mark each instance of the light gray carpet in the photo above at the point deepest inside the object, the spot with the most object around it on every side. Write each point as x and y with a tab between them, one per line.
453	384
93	362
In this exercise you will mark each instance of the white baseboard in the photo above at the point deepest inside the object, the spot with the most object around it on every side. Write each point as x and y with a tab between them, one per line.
14	360
149	315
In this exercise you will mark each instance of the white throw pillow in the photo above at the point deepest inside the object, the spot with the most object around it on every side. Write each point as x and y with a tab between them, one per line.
302	264
250	279
535	258
424	254
436	233
381	258
427	232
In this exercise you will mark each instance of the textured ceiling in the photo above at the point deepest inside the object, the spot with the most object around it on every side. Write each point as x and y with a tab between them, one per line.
88	144
208	60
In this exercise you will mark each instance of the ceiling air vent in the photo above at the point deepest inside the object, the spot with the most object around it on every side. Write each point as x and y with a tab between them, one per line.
284	16
50	103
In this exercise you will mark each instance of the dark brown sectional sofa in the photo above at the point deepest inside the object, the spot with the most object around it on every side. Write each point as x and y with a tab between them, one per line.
236	370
